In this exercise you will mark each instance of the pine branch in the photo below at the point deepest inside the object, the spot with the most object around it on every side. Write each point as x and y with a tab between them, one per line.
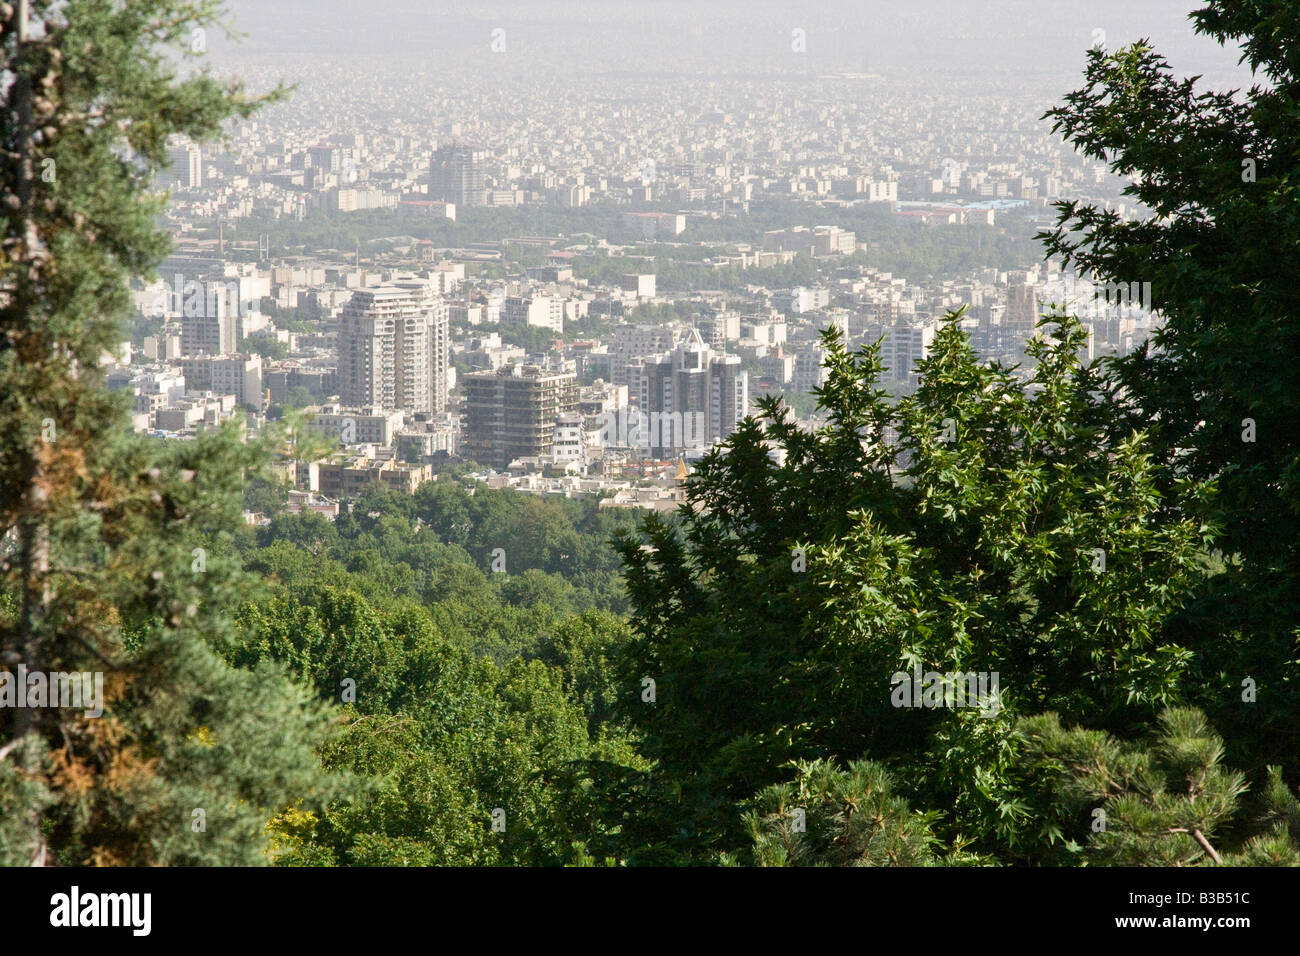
1200	838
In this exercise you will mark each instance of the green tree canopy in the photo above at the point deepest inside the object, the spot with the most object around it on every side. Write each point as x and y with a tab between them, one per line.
1217	386
986	524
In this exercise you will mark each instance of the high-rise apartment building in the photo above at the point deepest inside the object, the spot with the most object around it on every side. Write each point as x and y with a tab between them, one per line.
1022	307
639	284
439	354
718	329
184	166
457	174
512	412
692	396
905	344
393	348
632	342
809	368
209	329
340	160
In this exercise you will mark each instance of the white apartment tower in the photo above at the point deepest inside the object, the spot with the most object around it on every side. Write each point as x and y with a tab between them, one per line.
906	343
543	311
184	166
393	348
439	354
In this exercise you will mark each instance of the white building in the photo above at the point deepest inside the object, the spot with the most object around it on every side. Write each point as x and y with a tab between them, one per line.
359	426
238	375
906	343
543	311
800	300
642	286
569	445
809	370
184	166
394	347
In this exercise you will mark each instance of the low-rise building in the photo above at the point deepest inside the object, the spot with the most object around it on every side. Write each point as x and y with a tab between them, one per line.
358	426
348	477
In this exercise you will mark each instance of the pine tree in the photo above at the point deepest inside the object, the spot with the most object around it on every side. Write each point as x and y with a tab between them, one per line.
117	554
1158	802
828	816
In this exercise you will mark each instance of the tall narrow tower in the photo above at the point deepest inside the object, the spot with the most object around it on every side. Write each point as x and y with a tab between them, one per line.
457	174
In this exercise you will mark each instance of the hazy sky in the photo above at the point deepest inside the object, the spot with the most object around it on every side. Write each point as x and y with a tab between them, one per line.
1034	36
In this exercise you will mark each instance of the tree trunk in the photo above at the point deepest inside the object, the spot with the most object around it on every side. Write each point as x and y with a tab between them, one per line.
33	529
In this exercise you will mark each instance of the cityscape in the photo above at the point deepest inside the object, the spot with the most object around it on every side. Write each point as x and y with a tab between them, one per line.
681	257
